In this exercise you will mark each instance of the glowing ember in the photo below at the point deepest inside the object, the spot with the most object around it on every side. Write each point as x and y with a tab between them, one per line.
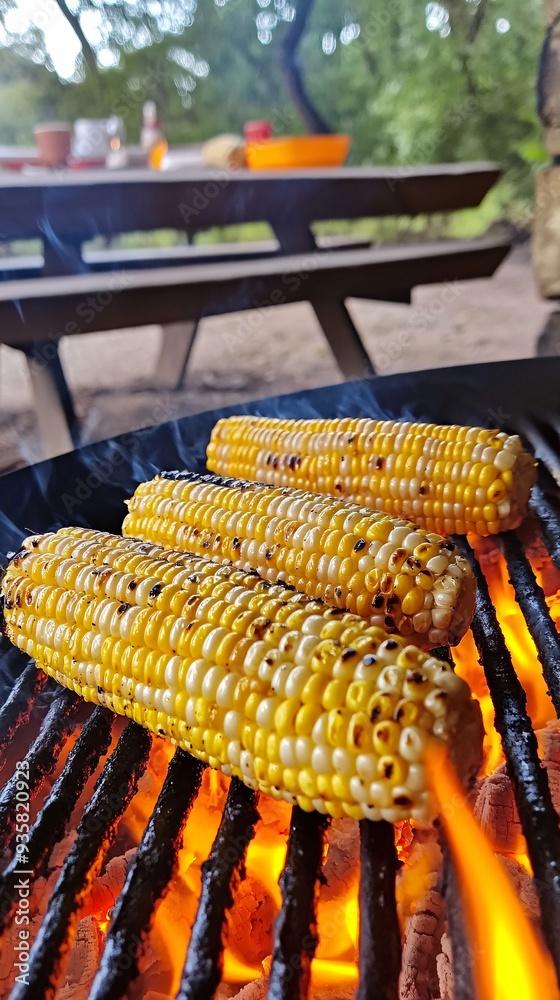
524	655
509	961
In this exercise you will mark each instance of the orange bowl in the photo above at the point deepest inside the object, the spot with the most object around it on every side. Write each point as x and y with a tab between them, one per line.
298	151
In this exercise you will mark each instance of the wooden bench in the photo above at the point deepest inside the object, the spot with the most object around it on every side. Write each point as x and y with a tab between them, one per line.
111	258
44	298
36	313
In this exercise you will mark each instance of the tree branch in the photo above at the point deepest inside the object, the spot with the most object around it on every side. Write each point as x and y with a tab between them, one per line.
74	22
476	21
292	71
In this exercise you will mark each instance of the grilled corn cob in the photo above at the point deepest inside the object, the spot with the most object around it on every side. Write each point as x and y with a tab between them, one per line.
452	480
379	567
305	703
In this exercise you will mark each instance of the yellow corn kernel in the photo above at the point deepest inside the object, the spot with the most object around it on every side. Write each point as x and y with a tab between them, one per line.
318	545
312	738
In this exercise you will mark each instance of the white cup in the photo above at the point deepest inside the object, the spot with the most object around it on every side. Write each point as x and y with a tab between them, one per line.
92	137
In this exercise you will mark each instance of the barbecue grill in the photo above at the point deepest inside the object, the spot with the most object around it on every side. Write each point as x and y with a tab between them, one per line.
88	488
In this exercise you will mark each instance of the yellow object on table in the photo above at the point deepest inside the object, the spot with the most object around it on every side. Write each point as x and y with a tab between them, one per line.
298	151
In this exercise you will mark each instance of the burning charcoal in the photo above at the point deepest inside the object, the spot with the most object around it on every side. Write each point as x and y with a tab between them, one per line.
258	991
249	923
382	568
525	888
107	887
497	814
422	943
343	858
254	991
444	964
495	806
83	962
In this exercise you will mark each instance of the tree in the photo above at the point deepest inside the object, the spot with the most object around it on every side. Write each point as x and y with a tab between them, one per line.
410	82
292	69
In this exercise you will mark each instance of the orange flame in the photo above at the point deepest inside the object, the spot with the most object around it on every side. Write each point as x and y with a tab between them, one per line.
524	655
509	961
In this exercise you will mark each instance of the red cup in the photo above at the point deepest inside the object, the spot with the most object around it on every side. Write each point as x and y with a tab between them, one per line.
257	131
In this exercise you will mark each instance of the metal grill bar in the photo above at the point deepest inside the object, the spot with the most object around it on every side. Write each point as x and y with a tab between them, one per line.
148	878
49	827
16	709
41	758
543	444
538	817
114	789
380	936
532	602
220	873
463	984
549	522
295	930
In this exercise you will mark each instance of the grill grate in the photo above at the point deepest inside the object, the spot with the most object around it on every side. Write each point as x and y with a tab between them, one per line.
224	866
148	877
380	938
50	825
531	600
59	722
114	789
538	818
295	932
17	708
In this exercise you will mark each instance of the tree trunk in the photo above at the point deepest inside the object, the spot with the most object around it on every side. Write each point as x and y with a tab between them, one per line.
74	22
292	70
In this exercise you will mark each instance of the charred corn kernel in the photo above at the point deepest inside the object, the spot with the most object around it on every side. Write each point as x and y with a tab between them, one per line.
386	736
392	769
332	724
381	706
410	470
348	556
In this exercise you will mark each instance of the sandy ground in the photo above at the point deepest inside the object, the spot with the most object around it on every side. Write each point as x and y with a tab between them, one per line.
244	356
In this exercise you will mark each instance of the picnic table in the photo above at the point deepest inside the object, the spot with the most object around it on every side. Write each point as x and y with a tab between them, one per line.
66	209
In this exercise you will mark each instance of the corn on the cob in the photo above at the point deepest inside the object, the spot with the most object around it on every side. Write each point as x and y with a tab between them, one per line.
452	480
379	567
305	703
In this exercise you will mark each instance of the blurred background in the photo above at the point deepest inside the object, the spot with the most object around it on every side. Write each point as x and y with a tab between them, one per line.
410	83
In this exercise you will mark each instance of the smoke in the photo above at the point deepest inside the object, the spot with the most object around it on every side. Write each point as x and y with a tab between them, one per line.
88	487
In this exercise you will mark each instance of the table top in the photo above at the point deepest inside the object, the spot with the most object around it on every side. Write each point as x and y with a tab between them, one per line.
64	177
65	206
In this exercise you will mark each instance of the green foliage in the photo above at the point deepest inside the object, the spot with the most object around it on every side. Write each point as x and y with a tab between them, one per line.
416	83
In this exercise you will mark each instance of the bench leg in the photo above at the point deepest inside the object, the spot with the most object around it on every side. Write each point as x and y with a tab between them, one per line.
56	419
548	343
344	340
176	345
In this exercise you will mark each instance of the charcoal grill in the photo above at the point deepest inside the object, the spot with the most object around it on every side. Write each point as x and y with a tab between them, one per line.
88	488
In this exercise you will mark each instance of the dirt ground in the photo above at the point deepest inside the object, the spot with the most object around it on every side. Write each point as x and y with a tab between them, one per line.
248	355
